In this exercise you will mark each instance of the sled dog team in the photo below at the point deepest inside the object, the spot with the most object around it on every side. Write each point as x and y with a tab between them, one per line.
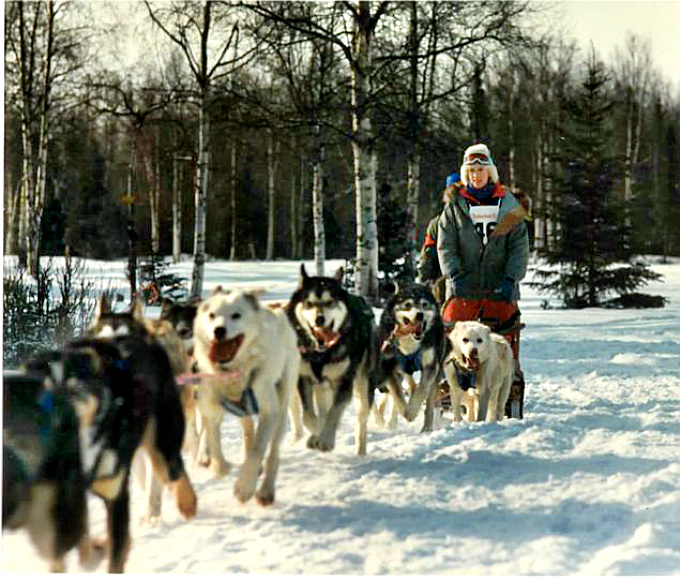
135	392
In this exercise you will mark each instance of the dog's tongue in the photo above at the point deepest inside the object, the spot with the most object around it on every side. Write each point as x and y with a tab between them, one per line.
411	328
223	351
325	336
472	363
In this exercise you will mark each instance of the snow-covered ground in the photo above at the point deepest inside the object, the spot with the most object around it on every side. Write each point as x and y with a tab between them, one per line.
587	484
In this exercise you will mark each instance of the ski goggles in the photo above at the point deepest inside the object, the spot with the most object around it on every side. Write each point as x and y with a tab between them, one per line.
479	158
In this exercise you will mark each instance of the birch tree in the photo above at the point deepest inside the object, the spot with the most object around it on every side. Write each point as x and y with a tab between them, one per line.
633	71
353	38
40	51
192	27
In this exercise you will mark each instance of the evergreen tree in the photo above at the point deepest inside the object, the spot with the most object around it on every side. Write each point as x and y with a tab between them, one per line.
593	250
394	262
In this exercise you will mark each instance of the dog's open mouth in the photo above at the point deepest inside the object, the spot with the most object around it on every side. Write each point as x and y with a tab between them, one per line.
472	362
325	336
224	351
415	329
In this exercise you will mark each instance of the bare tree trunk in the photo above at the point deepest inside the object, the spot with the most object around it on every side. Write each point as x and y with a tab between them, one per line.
539	219
634	74
155	194
511	131
201	195
232	197
301	203
36	210
11	220
272	163
317	203
413	185
294	217
25	192
365	157
176	211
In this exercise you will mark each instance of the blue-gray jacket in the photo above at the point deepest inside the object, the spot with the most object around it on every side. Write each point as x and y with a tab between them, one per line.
473	270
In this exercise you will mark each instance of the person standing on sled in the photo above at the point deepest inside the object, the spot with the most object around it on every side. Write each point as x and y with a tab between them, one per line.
483	251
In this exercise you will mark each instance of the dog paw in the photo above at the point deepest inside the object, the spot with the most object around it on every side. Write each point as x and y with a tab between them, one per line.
244	490
315	442
219	468
91	553
265	497
150	519
185	497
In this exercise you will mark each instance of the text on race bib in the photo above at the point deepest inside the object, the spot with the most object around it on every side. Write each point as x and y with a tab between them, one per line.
484	218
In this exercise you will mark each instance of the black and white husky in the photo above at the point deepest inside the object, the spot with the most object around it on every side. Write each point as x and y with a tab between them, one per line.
337	338
412	341
44	485
125	397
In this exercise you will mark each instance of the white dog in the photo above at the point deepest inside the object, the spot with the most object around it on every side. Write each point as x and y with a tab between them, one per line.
479	370
252	352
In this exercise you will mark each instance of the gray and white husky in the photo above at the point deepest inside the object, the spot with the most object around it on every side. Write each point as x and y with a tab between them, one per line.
412	341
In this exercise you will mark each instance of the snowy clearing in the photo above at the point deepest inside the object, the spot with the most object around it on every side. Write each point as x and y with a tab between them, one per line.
587	484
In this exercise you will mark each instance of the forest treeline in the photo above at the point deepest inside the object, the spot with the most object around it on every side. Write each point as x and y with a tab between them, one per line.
295	130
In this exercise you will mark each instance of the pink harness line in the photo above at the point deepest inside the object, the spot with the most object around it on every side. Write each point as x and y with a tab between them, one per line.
195	378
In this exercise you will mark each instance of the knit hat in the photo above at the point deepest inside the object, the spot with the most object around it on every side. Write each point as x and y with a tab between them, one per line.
480	155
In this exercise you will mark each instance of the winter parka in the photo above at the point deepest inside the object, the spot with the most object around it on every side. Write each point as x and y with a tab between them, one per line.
473	270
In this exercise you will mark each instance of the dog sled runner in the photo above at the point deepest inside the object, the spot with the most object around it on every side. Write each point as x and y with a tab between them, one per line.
503	318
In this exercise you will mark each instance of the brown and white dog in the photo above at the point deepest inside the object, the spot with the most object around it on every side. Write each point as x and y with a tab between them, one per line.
250	356
479	369
111	325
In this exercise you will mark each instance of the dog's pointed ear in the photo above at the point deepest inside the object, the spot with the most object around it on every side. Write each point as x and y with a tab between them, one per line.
253	296
166	305
219	290
339	274
136	309
391	288
103	307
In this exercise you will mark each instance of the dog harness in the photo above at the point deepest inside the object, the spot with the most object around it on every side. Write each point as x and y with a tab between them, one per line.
409	363
247	405
466	378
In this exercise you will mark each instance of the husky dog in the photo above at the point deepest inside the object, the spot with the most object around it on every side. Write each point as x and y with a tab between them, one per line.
338	340
44	484
107	324
181	315
482	364
412	339
123	389
251	353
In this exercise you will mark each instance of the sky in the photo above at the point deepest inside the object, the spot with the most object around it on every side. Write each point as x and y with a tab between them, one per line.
606	23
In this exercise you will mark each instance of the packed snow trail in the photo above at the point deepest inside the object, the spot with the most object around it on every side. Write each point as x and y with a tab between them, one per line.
587	484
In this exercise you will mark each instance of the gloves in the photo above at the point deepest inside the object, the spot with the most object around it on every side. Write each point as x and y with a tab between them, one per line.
459	286
506	292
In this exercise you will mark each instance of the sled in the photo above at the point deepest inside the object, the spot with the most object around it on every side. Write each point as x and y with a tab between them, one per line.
503	318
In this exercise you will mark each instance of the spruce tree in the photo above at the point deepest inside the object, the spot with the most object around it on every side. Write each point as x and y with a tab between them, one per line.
592	256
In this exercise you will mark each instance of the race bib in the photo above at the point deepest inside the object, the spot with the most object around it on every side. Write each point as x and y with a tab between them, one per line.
485	218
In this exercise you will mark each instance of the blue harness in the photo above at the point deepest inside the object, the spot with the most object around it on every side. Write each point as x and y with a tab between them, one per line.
466	379
409	363
247	405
